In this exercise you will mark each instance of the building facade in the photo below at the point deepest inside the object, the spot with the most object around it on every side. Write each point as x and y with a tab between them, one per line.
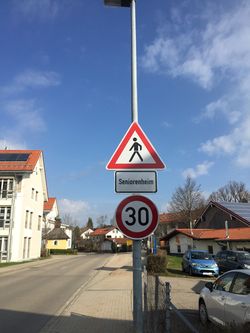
23	190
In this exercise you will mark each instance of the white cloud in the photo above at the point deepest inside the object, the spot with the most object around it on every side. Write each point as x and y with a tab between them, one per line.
236	144
223	47
212	49
8	144
33	9
226	105
200	170
78	209
31	79
26	114
166	124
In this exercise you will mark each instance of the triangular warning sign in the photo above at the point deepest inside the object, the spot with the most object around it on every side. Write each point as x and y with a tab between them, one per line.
135	151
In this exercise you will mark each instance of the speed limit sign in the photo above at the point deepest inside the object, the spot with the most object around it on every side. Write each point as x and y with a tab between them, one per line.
137	217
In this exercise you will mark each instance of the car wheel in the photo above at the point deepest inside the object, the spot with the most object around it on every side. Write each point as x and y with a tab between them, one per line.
203	313
190	271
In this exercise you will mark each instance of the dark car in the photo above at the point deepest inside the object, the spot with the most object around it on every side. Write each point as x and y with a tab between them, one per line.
199	262
228	260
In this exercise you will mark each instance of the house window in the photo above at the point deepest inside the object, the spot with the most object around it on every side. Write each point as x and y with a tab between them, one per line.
28	249
210	249
36	197
109	236
3	248
6	188
55	242
26	219
24	246
39	222
178	248
5	213
31	218
32	193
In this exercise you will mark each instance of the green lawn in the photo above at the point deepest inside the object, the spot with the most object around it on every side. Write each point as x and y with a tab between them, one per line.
174	266
6	264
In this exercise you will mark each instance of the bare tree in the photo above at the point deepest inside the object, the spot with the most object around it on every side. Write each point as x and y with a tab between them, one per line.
187	201
231	192
101	221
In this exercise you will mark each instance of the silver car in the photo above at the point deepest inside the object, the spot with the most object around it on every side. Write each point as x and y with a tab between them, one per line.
227	300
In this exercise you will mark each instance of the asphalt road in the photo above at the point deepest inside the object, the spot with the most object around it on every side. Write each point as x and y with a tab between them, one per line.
36	293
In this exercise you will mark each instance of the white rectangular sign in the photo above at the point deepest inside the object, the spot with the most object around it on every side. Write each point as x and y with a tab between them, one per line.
135	182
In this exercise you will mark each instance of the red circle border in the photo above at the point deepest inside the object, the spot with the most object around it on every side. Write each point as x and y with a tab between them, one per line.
132	234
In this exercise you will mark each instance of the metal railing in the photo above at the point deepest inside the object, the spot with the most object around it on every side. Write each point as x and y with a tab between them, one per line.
160	315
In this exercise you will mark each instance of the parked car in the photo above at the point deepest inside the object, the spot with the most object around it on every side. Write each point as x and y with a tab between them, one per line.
227	260
227	300
199	262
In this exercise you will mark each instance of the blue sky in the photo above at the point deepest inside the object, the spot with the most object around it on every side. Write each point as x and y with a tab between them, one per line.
65	89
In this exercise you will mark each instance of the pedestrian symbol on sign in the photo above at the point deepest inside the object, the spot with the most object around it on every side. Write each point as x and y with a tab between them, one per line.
136	147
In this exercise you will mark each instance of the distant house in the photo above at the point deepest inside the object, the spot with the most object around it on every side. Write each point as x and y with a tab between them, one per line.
50	213
102	233
168	222
23	190
212	240
85	232
57	238
237	215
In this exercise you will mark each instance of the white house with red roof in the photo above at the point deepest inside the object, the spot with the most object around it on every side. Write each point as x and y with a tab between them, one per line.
211	240
50	213
23	190
221	225
109	233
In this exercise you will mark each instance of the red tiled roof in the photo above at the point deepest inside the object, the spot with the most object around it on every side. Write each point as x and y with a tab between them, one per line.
28	165
169	217
101	231
218	234
120	240
48	205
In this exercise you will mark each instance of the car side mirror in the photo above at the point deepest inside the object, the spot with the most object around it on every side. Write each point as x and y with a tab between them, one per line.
209	285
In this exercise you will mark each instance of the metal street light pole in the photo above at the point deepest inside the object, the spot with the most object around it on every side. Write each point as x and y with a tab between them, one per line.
137	269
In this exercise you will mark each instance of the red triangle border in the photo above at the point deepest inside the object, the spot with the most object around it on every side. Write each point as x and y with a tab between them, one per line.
113	165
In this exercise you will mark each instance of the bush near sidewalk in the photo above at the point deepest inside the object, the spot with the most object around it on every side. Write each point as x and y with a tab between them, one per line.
59	251
156	263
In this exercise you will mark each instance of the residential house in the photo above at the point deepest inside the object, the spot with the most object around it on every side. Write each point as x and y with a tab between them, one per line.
23	190
108	237
221	225
50	213
102	233
211	240
237	215
57	239
85	232
167	223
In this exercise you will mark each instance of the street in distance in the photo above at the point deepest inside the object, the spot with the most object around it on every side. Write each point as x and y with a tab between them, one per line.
135	182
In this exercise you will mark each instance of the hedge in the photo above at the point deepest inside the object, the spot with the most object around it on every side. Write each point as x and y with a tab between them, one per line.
156	263
60	251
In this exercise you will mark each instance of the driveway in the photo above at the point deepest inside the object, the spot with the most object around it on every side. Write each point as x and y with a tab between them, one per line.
185	295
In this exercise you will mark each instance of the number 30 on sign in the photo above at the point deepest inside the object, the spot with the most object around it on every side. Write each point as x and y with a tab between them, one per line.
137	217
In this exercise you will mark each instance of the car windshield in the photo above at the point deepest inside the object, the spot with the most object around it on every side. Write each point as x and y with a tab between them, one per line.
244	256
201	255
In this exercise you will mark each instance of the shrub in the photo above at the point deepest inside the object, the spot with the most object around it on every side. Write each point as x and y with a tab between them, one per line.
156	263
60	251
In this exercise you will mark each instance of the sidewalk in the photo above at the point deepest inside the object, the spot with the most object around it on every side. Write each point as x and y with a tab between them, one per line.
102	305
